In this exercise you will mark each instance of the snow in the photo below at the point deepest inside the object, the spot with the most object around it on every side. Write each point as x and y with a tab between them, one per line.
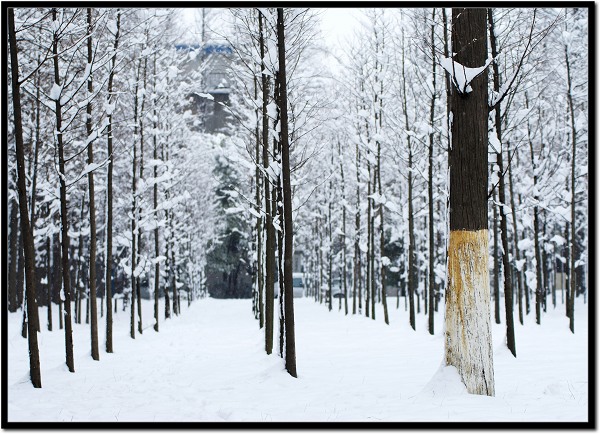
525	244
55	92
462	75
206	95
208	364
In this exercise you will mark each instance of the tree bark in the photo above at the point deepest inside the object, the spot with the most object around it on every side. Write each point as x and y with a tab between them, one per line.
513	208
13	244
468	339
269	206
496	263
134	228
155	203
63	211
109	193
411	223
92	206
508	288
431	279
290	341
34	356
572	279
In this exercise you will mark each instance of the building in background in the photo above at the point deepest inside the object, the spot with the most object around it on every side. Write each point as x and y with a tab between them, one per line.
212	60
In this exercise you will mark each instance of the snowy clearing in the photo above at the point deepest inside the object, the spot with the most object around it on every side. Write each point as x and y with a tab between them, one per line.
209	365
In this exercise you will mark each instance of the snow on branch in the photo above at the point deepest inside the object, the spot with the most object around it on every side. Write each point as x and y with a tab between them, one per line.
461	75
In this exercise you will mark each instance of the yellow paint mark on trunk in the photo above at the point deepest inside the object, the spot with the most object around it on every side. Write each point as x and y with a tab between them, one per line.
468	332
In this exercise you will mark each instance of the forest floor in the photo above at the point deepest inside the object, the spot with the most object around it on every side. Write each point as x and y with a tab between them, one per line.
208	364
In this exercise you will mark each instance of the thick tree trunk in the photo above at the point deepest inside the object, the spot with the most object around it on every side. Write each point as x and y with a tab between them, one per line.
468	339
63	211
290	341
34	356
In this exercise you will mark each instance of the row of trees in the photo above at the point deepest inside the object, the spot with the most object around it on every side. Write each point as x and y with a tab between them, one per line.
360	168
375	213
98	95
530	152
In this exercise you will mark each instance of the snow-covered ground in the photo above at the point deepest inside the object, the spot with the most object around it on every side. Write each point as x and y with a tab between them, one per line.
209	365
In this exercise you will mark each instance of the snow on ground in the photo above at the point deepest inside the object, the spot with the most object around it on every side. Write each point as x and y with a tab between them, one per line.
209	365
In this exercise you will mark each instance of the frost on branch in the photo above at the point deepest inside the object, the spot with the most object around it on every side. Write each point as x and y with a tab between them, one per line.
461	75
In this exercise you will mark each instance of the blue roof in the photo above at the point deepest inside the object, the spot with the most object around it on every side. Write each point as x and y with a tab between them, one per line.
207	49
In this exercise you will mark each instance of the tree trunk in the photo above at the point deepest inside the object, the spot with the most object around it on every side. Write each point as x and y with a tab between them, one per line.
269	206
138	285
468	340
134	228
496	263
513	208
13	244
290	341
109	193
508	288
155	203
92	266
49	279
34	356
572	280
258	299
536	227
63	211
411	223
344	247
357	285
430	184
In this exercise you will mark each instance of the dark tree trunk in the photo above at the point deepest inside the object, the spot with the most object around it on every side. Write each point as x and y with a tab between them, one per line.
572	279
258	177
496	263
519	278
138	283
468	343
269	206
49	279
536	228
109	193
134	228
344	247
357	285
92	266
431	279
506	268
290	341
34	356
155	204
63	212
411	224
13	244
